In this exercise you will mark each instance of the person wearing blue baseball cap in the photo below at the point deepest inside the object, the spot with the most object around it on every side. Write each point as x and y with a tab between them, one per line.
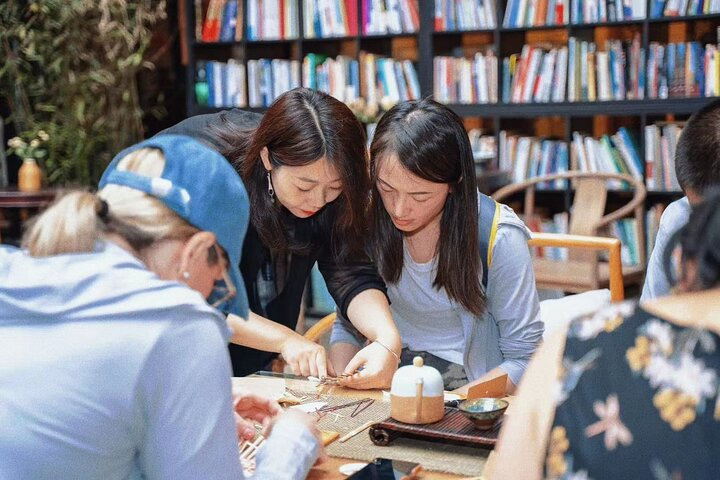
304	163
113	359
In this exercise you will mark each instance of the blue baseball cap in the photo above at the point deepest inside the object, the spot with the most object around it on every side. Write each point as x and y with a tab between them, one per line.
202	187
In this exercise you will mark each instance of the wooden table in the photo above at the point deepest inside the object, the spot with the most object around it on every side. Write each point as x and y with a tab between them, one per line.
11	197
328	470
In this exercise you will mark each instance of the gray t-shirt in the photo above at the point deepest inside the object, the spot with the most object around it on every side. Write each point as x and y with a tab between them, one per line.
427	319
675	216
505	336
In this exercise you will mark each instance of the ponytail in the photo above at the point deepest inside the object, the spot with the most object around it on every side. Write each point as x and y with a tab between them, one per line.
70	225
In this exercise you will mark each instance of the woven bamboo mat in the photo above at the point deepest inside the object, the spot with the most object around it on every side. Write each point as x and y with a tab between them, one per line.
432	455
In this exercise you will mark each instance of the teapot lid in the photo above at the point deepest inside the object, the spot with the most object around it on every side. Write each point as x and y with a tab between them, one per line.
408	377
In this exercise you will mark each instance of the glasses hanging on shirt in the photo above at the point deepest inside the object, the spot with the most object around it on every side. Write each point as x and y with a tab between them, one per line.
223	290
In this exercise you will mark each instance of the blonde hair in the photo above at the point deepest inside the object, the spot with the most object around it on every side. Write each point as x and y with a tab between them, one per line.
76	221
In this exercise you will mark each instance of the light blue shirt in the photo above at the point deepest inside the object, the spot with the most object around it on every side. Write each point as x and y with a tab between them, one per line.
108	372
507	334
675	216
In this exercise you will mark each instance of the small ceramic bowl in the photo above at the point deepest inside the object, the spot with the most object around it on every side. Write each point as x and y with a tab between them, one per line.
483	412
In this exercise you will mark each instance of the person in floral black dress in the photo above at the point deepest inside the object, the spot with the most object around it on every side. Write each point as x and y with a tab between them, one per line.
629	391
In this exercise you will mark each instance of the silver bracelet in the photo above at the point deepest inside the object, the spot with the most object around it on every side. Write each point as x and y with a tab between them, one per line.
397	357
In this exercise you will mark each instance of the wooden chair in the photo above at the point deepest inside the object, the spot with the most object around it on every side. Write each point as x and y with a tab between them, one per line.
315	333
611	245
584	271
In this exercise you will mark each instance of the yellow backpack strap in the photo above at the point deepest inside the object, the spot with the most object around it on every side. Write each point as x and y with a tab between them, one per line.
487	231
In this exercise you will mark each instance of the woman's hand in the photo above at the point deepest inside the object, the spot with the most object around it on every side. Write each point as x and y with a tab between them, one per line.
305	357
251	409
371	367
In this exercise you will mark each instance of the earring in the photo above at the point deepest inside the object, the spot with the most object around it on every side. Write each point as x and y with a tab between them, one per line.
186	275
271	190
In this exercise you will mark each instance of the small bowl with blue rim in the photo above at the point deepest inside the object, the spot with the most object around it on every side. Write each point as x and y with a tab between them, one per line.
483	412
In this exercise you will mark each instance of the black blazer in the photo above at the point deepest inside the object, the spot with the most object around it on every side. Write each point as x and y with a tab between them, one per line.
344	279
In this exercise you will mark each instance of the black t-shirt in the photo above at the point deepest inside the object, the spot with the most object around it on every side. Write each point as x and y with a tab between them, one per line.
344	279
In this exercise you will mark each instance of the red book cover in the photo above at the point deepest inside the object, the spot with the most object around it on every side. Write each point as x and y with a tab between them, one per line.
283	34
559	12
414	14
538	76
213	18
541	13
352	16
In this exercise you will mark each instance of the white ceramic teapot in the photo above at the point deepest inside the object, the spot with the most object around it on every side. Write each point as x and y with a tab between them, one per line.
417	394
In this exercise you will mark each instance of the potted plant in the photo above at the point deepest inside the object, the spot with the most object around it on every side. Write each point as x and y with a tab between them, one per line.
70	70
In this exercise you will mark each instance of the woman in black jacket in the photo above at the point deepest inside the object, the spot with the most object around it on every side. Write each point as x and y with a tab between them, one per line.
304	166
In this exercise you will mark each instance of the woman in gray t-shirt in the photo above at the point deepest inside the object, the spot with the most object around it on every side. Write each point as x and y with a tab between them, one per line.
457	264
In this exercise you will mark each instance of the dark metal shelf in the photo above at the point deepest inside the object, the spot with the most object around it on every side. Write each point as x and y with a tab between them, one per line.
388	36
200	110
687	18
561	26
441	33
330	39
217	44
273	41
584	109
577	26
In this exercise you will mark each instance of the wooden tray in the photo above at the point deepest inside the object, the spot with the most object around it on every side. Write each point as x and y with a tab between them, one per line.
454	426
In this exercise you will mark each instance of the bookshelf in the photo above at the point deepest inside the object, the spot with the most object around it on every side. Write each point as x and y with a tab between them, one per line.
556	120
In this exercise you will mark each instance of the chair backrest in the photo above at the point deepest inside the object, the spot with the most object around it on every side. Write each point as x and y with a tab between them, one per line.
589	204
322	326
584	242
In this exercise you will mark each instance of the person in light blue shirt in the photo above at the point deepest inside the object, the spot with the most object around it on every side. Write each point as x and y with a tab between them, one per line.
457	264
113	365
697	167
675	216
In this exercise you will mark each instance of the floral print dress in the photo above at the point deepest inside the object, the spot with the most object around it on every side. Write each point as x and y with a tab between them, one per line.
637	398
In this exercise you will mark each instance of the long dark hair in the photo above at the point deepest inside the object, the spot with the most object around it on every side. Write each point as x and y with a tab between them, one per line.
299	128
429	140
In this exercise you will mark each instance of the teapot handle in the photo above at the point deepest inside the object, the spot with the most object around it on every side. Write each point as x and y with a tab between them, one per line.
418	400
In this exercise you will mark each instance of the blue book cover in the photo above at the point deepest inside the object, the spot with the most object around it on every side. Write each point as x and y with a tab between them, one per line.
670	68
699	67
252	8
506	80
317	23
514	14
355	76
400	79
642	75
656	9
210	77
507	20
229	21
380	69
681	51
450	15
562	163
577	9
614	85
632	147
